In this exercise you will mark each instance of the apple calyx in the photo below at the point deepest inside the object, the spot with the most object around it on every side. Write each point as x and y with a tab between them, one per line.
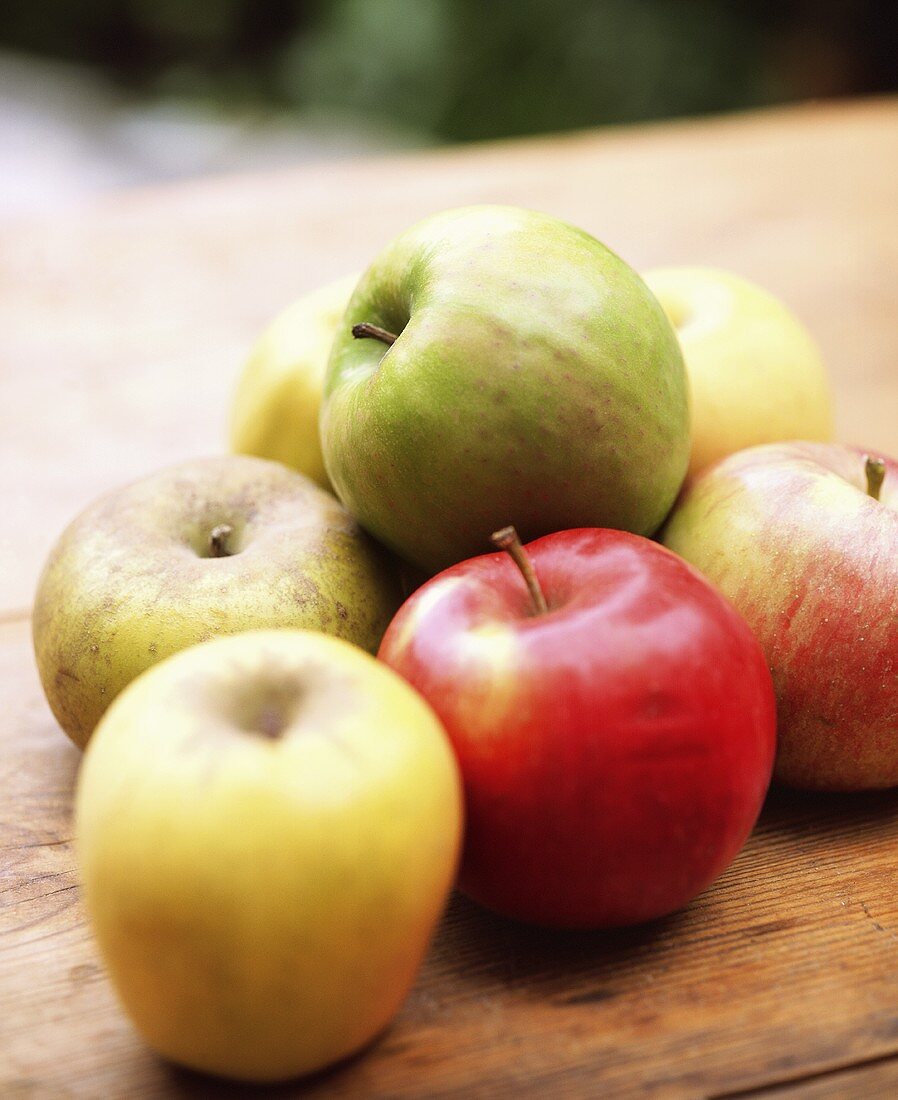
364	330
218	539
507	539
875	472
271	724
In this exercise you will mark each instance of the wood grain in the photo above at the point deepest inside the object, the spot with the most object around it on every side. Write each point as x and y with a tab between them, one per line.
121	332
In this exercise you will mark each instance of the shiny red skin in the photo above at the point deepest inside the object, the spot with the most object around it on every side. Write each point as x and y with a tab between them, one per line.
615	751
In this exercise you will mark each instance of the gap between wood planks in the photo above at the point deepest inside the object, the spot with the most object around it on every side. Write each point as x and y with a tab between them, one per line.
783	1084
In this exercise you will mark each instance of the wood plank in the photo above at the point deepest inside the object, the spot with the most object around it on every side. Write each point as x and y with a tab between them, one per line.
122	329
784	968
875	1080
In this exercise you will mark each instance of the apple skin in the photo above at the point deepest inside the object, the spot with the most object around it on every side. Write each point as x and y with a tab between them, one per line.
788	532
755	372
131	581
534	375
276	404
616	750
267	828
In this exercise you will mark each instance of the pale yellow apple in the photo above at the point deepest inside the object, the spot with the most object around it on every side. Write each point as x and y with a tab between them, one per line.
755	373
267	827
274	413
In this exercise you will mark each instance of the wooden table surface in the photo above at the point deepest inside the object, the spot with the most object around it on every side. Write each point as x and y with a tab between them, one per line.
122	329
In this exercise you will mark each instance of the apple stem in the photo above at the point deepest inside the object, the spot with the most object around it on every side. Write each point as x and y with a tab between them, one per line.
218	538
364	330
875	469
507	539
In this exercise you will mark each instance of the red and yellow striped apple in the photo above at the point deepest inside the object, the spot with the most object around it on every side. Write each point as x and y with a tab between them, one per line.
614	724
803	538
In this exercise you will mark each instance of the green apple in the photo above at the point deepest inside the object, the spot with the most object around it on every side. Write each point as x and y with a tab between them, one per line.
275	408
755	372
267	827
212	546
498	365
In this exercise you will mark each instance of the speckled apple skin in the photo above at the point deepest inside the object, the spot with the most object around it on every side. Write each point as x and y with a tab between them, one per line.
535	381
129	581
788	532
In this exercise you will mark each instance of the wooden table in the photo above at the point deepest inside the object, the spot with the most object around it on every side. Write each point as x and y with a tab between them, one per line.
121	332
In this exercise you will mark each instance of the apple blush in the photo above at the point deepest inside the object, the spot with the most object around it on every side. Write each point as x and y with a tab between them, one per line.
613	717
803	538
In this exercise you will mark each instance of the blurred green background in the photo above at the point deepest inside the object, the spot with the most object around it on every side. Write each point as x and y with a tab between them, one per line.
455	70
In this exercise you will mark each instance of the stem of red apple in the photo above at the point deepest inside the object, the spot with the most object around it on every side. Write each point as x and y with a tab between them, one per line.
507	539
218	538
875	470
364	330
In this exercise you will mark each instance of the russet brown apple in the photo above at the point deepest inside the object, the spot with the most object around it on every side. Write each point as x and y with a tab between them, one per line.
212	546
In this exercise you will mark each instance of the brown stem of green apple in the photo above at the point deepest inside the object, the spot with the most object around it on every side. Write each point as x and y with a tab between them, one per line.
507	539
875	470
218	539
365	330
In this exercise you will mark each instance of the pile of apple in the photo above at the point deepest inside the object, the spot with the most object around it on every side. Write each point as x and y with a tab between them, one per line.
577	723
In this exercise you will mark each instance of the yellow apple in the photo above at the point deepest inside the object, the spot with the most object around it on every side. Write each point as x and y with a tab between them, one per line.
275	408
267	827
755	373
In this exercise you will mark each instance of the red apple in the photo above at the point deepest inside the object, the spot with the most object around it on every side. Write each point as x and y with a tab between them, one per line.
803	538
615	741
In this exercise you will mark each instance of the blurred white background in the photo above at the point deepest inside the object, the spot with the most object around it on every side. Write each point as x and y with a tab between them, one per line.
67	135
